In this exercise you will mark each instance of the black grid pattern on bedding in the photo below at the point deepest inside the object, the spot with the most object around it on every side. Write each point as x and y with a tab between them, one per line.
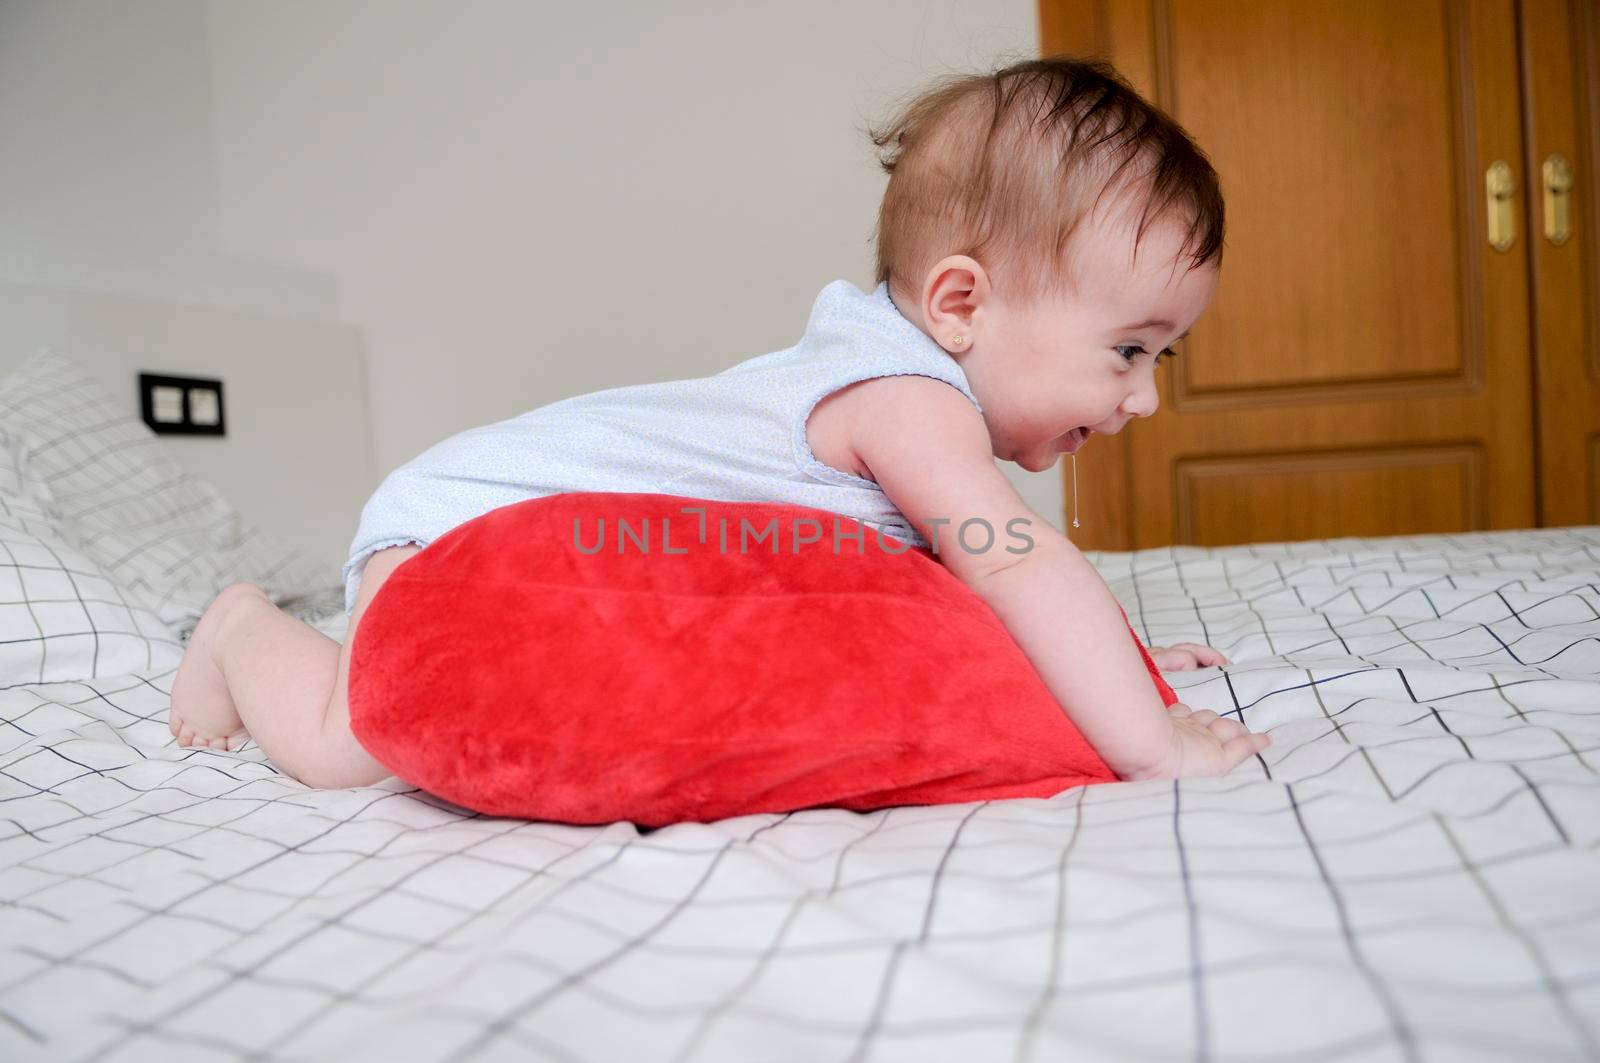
61	615
166	535
1408	873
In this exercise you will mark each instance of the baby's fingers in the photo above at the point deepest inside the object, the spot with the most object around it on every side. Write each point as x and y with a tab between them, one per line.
1204	656
1221	727
1236	751
1225	728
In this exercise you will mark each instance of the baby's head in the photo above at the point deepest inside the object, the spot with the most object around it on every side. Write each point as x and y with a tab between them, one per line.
1053	231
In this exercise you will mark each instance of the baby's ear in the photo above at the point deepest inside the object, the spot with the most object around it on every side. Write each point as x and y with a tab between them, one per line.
953	294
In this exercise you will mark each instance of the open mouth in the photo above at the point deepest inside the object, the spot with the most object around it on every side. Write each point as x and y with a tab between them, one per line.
1076	439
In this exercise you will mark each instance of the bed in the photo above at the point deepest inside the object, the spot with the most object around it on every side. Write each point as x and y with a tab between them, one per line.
1409	872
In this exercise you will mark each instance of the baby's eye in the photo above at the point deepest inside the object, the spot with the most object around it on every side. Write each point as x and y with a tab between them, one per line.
1130	351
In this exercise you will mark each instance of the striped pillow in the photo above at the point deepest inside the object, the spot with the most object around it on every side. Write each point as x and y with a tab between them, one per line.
167	536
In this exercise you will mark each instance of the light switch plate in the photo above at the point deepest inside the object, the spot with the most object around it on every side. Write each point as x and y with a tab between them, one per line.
182	405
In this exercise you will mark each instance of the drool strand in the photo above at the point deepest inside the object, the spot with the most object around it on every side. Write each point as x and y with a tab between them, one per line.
1075	490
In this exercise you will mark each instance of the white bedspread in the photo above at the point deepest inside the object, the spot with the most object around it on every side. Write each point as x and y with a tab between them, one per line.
1408	873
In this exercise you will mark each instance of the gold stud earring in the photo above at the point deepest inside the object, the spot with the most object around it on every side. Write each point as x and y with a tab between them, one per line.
959	340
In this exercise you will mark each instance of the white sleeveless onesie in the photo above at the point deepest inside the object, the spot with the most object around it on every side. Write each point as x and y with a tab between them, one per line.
736	436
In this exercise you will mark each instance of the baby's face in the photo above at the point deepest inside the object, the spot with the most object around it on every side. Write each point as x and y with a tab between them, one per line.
1089	359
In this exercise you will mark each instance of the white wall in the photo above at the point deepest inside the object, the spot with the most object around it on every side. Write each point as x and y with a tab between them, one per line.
108	170
516	201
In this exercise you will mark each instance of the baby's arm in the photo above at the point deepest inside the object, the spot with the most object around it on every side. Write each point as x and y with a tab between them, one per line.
929	450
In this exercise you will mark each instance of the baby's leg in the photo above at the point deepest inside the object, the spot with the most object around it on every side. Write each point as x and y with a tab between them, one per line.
251	668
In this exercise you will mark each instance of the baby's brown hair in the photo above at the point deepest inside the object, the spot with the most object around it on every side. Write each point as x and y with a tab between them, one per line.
1006	166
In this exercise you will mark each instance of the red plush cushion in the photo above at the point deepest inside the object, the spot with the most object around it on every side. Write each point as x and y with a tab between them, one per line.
513	669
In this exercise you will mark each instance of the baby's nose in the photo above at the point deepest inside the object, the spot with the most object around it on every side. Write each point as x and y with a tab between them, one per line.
1142	401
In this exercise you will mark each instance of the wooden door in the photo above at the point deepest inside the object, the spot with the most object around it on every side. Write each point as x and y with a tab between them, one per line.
1561	101
1365	367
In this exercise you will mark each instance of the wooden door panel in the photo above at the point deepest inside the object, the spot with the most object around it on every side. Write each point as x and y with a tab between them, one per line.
1285	498
1334	207
1364	368
1561	79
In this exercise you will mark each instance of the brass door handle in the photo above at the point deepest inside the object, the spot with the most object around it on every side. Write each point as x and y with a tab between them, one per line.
1501	189
1557	199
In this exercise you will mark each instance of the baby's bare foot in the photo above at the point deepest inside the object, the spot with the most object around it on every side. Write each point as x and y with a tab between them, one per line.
203	713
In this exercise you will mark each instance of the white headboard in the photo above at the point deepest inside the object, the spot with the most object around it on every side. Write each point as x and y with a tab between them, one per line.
297	457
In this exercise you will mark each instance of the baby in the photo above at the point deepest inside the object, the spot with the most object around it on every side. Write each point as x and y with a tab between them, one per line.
1045	237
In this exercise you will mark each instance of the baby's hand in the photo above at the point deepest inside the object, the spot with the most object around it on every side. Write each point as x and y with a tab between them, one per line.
1203	744
1183	656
